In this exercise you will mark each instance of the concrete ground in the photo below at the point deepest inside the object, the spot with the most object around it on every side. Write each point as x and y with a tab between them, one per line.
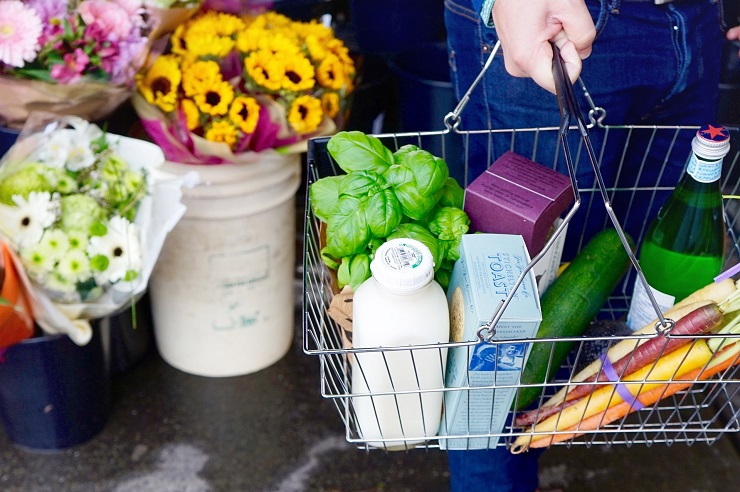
271	431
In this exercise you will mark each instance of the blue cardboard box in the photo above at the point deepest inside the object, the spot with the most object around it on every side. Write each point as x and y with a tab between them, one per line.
481	377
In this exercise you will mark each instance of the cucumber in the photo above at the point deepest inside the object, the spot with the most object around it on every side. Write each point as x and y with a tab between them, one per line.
570	304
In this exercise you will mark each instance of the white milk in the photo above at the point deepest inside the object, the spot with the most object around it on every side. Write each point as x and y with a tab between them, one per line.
399	306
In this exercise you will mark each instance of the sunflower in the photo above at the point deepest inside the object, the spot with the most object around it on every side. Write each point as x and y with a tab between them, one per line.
272	21
222	131
305	114
244	113
208	44
299	74
192	115
248	40
160	84
265	70
330	73
330	104
199	75
215	99
315	47
177	42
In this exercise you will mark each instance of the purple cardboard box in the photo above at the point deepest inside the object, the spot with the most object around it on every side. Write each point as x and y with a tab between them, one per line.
518	196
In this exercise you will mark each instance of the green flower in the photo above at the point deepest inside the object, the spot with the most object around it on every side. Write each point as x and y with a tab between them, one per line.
65	184
80	213
31	177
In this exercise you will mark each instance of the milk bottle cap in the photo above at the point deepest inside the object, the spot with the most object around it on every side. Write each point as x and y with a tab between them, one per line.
403	265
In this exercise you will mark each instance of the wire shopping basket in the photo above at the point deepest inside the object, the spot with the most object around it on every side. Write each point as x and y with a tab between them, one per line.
626	196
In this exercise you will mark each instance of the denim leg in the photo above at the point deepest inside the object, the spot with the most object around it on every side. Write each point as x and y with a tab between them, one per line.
495	470
650	65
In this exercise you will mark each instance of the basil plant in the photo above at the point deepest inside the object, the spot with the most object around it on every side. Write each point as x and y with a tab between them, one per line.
385	195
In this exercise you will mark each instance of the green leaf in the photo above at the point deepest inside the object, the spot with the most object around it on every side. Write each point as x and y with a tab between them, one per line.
382	212
449	223
324	195
346	230
99	263
329	260
362	183
355	151
353	271
453	195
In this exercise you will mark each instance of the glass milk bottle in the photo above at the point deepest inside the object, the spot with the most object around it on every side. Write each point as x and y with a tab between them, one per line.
683	249
399	305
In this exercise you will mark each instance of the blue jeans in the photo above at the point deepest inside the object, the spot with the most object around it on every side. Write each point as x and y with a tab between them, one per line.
650	65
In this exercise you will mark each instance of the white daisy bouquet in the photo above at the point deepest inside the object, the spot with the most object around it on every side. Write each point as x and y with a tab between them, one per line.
75	204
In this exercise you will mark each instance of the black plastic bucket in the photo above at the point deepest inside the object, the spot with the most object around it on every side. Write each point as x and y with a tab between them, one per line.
425	96
54	394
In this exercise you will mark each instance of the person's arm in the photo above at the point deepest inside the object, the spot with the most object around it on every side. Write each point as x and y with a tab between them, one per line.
525	35
734	35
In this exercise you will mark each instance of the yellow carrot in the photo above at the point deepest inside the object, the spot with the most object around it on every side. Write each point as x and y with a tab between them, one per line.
724	360
715	292
682	360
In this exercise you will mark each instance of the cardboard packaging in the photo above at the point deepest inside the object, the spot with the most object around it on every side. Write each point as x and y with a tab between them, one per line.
518	196
487	270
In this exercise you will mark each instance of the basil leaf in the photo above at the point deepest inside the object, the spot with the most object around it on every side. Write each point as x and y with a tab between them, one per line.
353	271
452	194
449	223
382	212
355	151
346	230
324	194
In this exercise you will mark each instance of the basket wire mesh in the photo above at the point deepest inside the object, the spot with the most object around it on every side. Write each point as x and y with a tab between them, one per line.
701	412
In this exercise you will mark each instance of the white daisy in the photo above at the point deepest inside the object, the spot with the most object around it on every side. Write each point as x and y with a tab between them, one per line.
120	246
54	243
32	216
38	263
78	240
55	151
80	155
75	266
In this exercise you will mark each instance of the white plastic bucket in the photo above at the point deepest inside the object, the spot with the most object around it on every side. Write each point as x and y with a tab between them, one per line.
222	291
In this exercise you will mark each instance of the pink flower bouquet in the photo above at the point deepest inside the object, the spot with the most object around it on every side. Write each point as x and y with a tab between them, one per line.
72	57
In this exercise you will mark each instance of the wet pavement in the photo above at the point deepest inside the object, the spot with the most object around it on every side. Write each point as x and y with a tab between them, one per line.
272	431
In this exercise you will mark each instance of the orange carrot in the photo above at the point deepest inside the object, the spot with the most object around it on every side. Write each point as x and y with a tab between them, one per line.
647	398
698	321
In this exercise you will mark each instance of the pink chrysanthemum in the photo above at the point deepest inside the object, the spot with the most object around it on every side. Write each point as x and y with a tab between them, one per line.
20	29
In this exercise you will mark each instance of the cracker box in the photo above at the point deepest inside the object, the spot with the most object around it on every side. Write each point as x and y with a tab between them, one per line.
487	270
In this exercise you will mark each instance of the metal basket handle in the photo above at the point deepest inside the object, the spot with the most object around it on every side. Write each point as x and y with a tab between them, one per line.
569	111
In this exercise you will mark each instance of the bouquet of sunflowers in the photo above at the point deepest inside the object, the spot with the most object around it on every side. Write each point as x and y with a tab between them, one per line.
230	86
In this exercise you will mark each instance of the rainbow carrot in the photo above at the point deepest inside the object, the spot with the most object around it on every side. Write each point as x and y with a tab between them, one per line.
684	359
699	321
723	360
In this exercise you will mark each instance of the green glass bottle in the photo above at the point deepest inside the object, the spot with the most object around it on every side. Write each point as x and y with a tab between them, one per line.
684	247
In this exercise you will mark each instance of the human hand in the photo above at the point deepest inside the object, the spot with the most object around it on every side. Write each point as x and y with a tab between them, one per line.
526	32
734	35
